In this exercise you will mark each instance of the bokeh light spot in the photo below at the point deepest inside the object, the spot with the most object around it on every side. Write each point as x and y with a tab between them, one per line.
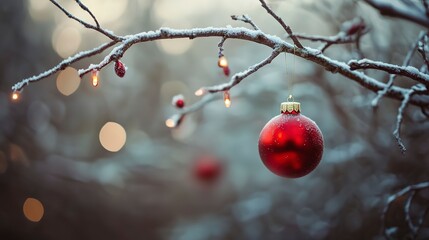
33	209
68	81
66	40
112	136
175	46
38	9
18	156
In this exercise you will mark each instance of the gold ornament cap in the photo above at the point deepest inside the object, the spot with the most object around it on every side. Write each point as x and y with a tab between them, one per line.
290	107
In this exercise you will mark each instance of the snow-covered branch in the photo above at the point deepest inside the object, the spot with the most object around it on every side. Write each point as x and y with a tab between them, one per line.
103	31
238	77
62	65
407	71
399	9
282	23
411	191
405	63
246	19
351	31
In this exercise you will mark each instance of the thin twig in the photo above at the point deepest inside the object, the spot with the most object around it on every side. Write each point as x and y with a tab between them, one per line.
392	77
388	8
220	46
238	77
280	20
421	221
178	117
422	49
62	65
81	5
399	117
394	197
85	24
408	71
246	19
407	207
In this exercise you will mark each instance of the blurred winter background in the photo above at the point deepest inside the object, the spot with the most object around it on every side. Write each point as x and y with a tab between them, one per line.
63	177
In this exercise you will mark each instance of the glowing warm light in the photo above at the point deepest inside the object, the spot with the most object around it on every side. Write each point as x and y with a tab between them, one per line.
170	123
15	96
199	92
227	99
112	136
94	78
33	209
68	81
222	62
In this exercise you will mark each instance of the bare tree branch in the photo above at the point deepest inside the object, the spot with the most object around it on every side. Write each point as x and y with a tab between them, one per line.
81	5
422	49
396	196
243	34
176	119
238	77
401	109
246	19
220	46
108	34
351	31
388	9
410	72
392	77
62	65
282	23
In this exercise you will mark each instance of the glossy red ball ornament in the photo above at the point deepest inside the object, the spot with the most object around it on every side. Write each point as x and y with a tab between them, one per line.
291	144
207	169
120	69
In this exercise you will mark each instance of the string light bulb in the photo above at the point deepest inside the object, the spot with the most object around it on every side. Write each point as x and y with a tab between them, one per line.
94	78
222	62
227	99
15	96
170	123
199	92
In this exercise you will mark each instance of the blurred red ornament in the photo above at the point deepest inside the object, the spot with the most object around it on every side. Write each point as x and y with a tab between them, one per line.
120	69
291	144
207	169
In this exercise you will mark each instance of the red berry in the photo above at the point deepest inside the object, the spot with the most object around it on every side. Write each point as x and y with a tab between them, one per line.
120	69
180	103
226	71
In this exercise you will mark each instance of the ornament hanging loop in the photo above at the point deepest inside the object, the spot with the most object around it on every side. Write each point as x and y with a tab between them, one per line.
290	98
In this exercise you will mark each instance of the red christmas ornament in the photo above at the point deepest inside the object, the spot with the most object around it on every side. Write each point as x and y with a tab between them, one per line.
207	169
291	144
120	69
